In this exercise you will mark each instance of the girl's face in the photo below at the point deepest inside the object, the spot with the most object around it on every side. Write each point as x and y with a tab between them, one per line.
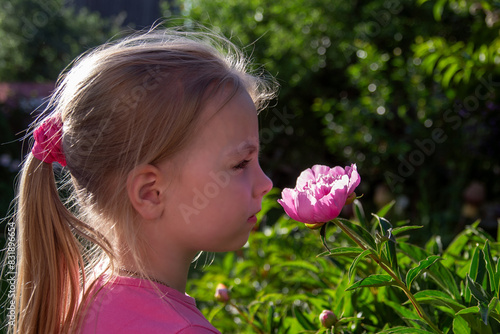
213	198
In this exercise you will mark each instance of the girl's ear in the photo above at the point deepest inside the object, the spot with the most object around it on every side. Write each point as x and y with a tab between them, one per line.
145	187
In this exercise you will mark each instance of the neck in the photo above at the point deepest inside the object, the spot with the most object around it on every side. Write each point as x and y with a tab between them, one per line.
171	269
167	255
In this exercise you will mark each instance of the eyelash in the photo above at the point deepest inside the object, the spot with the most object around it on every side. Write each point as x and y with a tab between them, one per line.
242	164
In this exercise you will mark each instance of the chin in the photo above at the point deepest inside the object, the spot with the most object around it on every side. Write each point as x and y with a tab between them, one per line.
233	246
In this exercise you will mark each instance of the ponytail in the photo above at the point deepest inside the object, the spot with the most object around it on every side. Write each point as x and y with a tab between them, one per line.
49	257
50	266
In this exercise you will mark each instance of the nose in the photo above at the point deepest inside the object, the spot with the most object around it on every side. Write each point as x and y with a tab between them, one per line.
263	184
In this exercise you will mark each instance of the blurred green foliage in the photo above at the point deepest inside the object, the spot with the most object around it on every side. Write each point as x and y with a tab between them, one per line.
40	38
276	290
405	89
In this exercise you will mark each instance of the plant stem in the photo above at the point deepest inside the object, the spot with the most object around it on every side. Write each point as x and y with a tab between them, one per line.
397	280
244	316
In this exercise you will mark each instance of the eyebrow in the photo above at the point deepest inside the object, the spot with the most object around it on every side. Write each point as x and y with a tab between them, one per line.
244	148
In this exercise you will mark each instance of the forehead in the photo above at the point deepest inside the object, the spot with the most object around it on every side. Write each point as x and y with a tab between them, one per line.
229	126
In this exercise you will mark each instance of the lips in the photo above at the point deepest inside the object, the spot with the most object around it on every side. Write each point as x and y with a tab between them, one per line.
252	219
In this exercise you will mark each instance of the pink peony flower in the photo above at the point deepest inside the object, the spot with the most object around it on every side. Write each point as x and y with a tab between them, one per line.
320	194
327	318
221	293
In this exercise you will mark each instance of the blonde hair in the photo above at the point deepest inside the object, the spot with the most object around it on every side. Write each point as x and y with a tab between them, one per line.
126	103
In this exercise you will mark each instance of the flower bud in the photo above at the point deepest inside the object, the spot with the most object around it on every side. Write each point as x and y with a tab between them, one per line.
350	199
221	293
328	318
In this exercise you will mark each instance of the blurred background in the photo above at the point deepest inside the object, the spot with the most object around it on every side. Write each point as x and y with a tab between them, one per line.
408	90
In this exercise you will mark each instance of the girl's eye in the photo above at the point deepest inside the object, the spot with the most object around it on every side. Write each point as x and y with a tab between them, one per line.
242	164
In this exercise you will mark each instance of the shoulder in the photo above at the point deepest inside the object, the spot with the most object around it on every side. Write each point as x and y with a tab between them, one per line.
130	305
198	330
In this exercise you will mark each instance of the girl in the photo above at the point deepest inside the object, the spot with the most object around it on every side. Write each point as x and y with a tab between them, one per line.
158	134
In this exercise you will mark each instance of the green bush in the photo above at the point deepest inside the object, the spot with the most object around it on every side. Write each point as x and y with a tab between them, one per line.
402	88
40	38
284	279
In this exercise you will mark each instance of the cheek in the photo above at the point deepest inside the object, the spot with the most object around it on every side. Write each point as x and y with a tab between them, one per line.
242	192
219	193
210	194
227	197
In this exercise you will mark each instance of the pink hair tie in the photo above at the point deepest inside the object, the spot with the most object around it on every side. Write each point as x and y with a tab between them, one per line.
48	146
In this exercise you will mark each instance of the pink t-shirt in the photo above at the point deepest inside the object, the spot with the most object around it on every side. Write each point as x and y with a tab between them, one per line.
132	305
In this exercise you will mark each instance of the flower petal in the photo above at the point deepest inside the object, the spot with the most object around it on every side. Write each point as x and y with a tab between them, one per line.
337	171
288	203
327	209
320	170
339	191
304	206
354	178
304	177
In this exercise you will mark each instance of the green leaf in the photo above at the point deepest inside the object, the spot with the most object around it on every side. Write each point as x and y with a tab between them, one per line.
392	255
439	273
455	248
385	225
349	319
434	245
404	313
301	318
491	307
402	229
449	74
372	281
270	318
228	263
477	266
407	314
437	10
322	234
360	213
271	297
470	315
390	246
300	264
481	296
484	312
461	326
458	76
468	310
214	311
354	263
362	234
429	62
342	251
477	291
385	209
468	70
440	297
498	230
405	330
493	303
423	265
490	268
